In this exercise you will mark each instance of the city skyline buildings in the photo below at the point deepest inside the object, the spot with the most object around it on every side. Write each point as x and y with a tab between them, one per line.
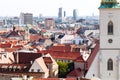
48	7
26	18
75	14
60	12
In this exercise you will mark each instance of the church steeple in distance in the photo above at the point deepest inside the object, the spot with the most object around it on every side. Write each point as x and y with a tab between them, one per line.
109	4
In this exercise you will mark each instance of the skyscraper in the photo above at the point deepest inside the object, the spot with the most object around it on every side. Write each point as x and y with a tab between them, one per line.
75	14
60	13
26	18
64	13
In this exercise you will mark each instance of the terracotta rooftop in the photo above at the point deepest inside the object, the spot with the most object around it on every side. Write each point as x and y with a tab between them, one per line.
34	37
76	73
79	59
5	45
84	79
92	56
16	67
17	46
54	79
11	49
47	59
60	48
26	58
62	55
23	73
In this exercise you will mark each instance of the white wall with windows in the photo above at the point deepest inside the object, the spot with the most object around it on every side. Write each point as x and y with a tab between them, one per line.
67	39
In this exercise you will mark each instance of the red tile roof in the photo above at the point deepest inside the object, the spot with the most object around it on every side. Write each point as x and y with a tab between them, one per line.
79	59
26	58
5	45
19	67
84	79
92	56
34	37
62	55
60	48
14	42
17	46
47	59
76	73
54	79
11	49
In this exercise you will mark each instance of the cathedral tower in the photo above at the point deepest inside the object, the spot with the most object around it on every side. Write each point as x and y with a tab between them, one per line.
109	68
106	64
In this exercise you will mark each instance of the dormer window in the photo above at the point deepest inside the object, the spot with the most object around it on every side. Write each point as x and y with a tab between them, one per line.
32	70
110	28
38	70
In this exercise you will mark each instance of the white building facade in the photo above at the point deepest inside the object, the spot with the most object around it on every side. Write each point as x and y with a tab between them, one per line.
106	64
67	39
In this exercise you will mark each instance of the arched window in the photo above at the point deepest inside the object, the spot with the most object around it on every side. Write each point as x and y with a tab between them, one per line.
110	64
110	28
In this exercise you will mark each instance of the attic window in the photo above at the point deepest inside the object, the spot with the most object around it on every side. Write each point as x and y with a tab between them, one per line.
38	70
32	70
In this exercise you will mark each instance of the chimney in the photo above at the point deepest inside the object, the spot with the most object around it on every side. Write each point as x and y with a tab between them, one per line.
31	62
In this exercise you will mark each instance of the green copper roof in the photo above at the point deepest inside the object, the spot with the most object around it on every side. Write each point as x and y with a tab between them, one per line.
109	6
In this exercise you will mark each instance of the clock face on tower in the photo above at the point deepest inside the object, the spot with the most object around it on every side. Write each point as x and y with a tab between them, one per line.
110	40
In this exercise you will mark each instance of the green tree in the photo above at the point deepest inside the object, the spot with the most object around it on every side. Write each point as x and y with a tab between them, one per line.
64	68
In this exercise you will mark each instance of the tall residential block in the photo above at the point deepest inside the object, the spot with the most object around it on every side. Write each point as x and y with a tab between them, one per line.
60	13
75	14
26	18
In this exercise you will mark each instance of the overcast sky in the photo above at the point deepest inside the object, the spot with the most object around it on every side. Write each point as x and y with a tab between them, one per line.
48	7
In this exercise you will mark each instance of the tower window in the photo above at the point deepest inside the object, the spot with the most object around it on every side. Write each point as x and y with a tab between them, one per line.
110	28
110	65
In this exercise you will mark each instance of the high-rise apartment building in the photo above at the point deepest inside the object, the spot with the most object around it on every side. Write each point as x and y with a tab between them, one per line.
60	13
75	14
26	18
64	13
